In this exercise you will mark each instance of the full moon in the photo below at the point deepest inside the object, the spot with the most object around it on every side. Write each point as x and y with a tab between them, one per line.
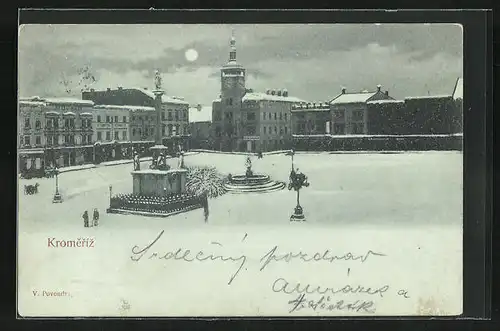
191	55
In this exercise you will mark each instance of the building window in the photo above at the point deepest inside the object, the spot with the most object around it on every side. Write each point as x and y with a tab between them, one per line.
178	129
163	129
38	124
281	116
170	114
264	129
99	135
133	118
286	117
217	131
185	112
281	130
98	118
117	136
217	115
357	115
357	128
229	101
108	135
163	116
186	129
133	131
170	129
124	135
339	114
27	123
275	128
116	119
176	115
286	130
275	116
124	119
338	128
251	116
152	132
38	140
251	130
72	123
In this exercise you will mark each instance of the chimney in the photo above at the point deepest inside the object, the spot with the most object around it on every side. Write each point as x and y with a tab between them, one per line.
108	89
198	107
92	90
146	88
379	87
273	92
120	88
285	92
387	93
279	93
343	90
268	91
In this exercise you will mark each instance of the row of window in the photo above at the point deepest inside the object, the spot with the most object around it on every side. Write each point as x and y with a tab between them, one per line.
283	130
54	123
269	116
169	116
338	128
252	117
112	119
54	139
115	137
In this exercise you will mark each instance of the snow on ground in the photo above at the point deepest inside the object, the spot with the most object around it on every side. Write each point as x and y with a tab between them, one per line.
377	189
400	204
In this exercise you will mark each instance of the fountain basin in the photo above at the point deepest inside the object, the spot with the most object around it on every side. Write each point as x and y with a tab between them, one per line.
253	184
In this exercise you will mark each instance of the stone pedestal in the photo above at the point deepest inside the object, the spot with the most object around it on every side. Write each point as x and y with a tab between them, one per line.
298	215
159	182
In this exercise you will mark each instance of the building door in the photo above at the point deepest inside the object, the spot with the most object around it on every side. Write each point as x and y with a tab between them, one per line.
249	146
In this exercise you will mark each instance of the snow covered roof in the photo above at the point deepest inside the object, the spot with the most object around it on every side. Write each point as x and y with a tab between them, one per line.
31	103
217	100
69	113
458	92
202	114
51	113
311	107
164	98
73	101
126	107
360	97
385	101
428	97
86	114
258	96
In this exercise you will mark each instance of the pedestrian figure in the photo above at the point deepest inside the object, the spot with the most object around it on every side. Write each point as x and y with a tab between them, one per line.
85	219
96	217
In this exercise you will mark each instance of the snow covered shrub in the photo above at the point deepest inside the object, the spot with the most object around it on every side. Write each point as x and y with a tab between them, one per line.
205	180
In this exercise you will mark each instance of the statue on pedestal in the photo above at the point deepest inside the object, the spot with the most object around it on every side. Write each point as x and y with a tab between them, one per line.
248	164
157	80
137	161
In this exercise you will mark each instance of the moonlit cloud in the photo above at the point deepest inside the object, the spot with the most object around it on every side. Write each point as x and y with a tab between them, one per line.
311	61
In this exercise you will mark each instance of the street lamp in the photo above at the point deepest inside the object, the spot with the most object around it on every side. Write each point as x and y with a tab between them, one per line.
291	153
57	196
110	194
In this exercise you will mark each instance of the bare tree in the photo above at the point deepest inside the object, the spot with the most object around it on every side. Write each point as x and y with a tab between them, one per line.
86	79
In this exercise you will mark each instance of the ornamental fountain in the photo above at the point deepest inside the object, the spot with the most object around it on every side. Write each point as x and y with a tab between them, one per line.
251	182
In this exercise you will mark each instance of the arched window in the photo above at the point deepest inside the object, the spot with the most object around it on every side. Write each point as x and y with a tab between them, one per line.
38	124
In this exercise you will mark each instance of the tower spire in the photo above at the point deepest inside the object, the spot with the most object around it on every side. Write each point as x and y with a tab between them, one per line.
232	43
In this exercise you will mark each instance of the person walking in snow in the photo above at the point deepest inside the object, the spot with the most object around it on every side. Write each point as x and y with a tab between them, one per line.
85	217
96	217
204	203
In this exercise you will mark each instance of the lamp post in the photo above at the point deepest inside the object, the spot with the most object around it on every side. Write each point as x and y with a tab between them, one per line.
57	196
297	181
110	194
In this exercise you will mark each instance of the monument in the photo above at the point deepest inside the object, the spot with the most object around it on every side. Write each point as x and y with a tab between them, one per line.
157	190
251	182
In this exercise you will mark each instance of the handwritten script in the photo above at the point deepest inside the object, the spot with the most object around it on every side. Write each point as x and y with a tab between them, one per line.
305	296
274	255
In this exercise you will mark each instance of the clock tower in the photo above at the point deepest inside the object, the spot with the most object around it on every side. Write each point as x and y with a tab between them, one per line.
232	78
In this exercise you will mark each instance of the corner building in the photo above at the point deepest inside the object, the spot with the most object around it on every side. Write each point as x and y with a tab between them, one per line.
248	121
